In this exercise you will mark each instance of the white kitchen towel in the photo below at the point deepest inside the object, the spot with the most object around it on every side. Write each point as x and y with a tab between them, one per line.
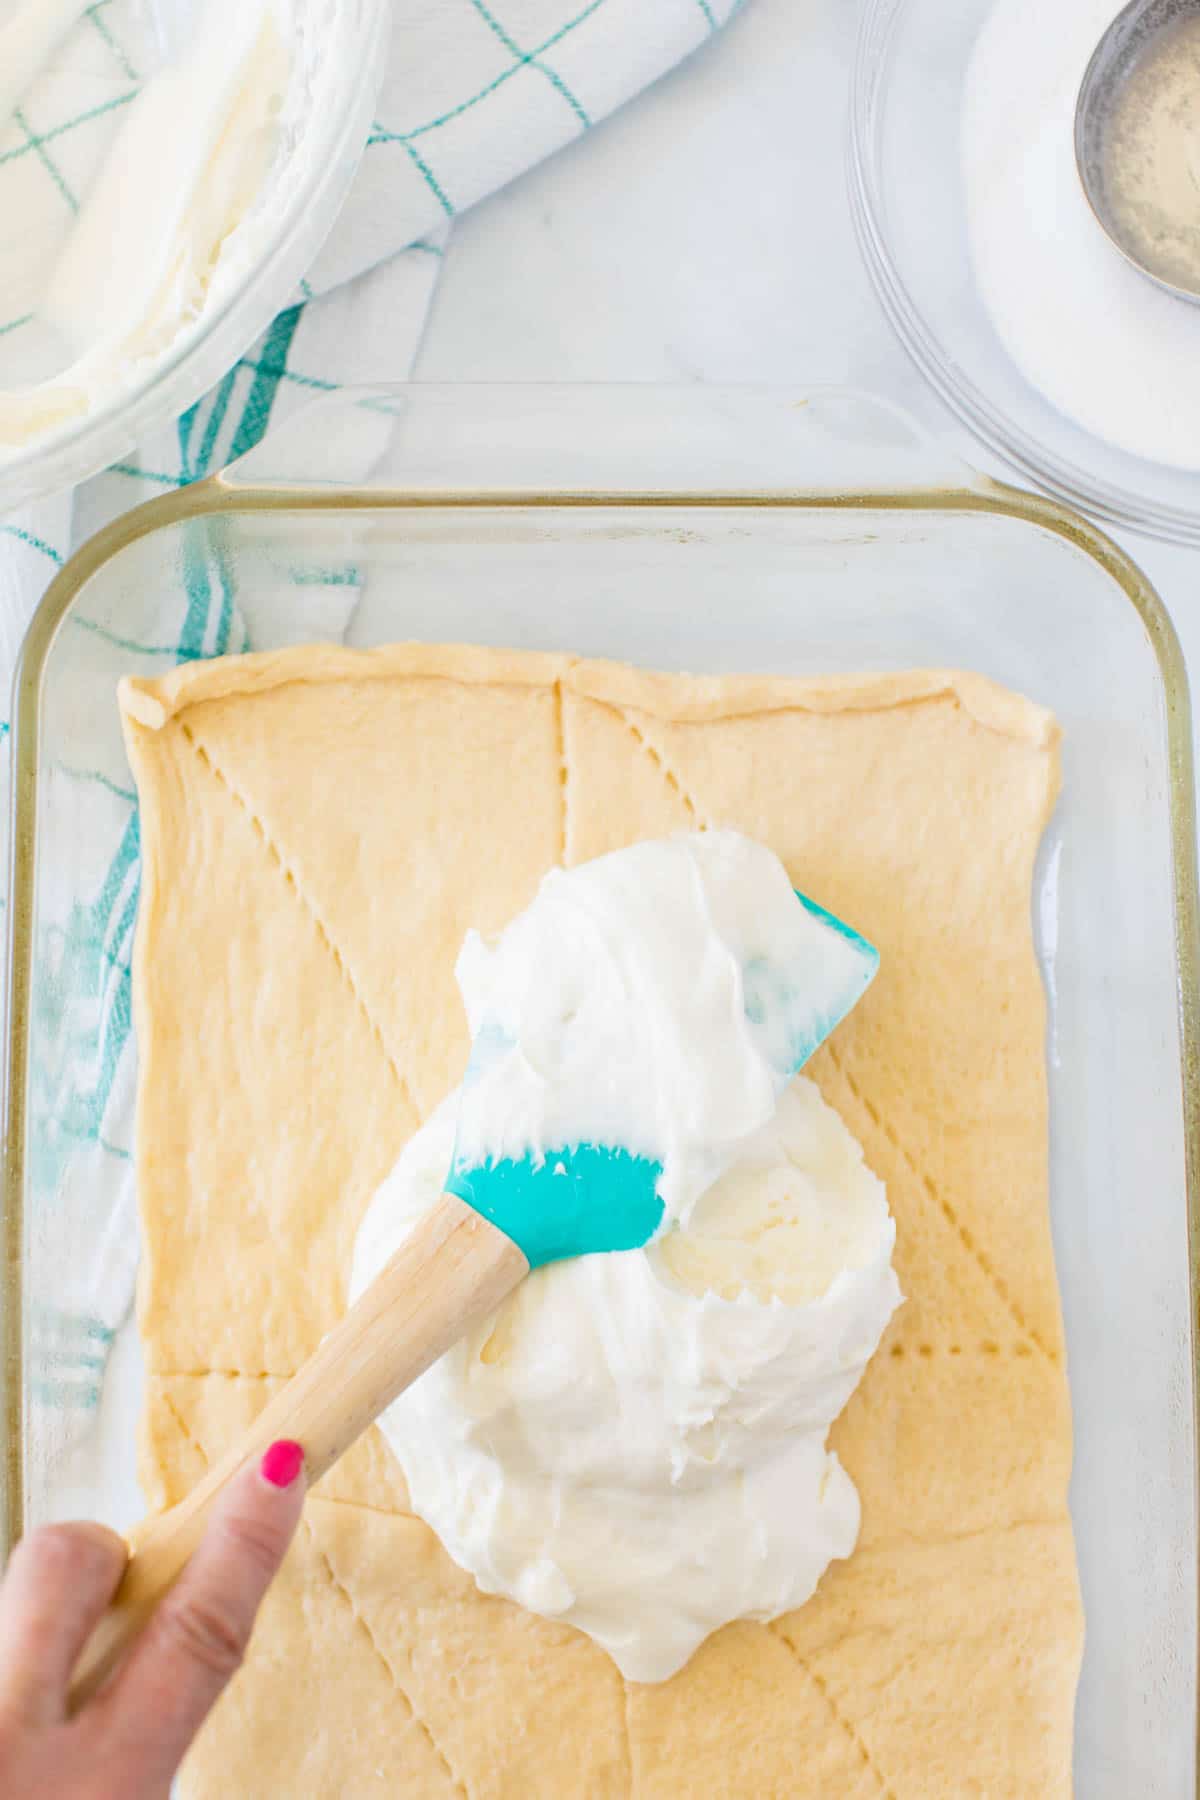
474	93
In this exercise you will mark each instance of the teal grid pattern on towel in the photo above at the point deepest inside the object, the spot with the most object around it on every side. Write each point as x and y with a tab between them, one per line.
475	92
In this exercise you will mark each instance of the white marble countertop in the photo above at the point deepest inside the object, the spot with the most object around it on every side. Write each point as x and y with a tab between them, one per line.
727	256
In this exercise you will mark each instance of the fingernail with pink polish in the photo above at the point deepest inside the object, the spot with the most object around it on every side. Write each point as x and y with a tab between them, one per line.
282	1463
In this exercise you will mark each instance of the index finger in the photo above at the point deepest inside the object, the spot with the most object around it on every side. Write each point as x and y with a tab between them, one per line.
196	1640
58	1582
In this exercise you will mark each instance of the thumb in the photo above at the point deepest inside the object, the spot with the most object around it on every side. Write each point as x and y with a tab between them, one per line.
196	1640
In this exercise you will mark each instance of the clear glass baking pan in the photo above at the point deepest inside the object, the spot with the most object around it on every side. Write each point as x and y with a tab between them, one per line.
713	530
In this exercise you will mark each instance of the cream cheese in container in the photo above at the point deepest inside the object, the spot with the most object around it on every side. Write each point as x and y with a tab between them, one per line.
155	212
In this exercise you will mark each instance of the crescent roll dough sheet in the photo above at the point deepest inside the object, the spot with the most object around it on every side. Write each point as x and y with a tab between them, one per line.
320	827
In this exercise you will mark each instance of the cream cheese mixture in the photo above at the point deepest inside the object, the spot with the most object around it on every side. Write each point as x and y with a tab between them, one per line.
636	1443
174	215
658	999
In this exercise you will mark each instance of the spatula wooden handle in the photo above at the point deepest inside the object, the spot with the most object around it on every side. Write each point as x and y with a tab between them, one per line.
453	1270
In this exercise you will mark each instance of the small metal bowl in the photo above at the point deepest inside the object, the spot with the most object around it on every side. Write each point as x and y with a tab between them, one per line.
1123	46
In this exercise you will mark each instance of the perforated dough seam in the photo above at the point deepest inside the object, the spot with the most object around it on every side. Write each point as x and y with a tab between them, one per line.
564	774
993	1277
658	759
188	1436
847	1724
365	1506
917	1540
222	1374
344	1592
323	932
628	1734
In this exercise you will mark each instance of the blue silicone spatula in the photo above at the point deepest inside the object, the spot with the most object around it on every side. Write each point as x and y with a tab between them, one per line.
495	1222
580	1198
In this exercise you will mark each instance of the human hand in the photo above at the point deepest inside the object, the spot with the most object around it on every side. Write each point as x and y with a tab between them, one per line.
127	1742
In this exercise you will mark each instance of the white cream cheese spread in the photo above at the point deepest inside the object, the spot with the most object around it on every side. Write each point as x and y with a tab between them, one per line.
171	217
636	1443
657	999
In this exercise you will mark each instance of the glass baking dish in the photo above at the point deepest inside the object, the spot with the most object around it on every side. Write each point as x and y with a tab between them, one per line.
711	529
